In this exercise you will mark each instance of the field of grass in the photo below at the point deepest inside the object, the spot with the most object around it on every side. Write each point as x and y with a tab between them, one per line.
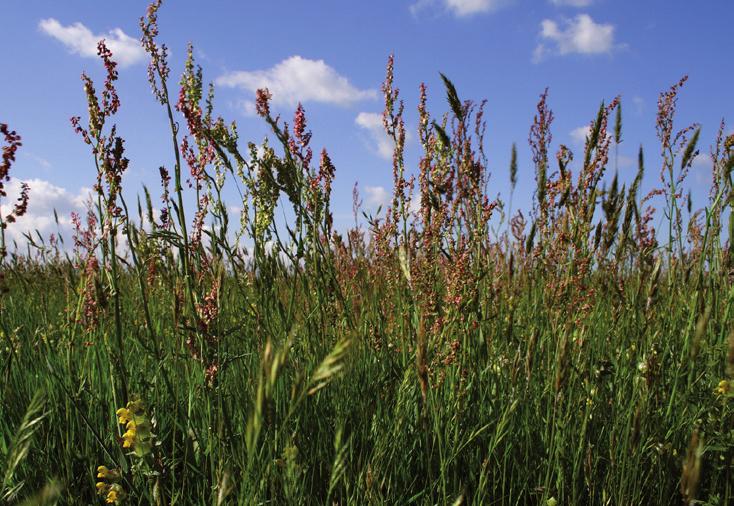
577	356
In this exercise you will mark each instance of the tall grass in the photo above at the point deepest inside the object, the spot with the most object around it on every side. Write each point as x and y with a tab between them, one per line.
420	357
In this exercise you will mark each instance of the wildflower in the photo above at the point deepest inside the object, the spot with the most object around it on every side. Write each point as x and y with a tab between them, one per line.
108	486
129	438
723	388
262	99
115	494
123	416
137	427
108	474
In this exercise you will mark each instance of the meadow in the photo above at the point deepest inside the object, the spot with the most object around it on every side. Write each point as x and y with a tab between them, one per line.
572	354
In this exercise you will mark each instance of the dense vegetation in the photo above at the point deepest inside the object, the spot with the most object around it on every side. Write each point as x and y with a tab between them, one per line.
568	355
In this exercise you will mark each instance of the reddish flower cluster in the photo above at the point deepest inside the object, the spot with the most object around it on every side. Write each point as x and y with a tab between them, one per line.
262	102
199	221
540	139
667	102
85	245
108	149
110	100
298	144
158	69
12	143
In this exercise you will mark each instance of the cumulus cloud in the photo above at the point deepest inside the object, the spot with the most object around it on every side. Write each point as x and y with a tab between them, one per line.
377	196
246	107
297	79
380	142
470	7
572	3
45	197
460	8
580	35
580	134
80	40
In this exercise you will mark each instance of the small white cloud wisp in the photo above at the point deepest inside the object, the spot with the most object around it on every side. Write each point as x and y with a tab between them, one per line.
580	35
572	3
579	135
297	79
80	40
377	196
459	8
379	141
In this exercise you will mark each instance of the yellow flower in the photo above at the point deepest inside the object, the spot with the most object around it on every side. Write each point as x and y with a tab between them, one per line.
123	416
108	474
115	494
101	487
138	428
128	439
723	388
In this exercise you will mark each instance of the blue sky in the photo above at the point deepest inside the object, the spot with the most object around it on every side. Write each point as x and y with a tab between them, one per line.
331	55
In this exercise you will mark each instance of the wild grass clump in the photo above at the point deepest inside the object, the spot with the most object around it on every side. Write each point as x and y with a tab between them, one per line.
447	351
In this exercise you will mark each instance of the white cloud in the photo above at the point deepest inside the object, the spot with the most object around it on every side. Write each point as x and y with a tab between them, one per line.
470	7
246	107
579	35
380	142
414	206
80	40
377	196
460	8
419	5
298	79
572	3
580	134
44	198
